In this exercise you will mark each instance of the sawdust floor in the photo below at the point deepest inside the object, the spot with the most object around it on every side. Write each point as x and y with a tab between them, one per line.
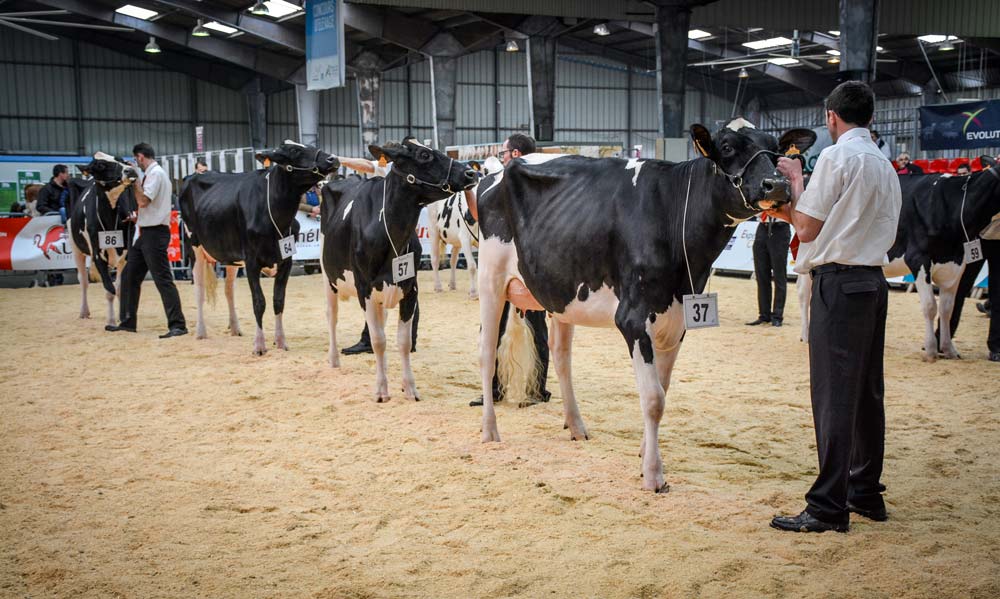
135	467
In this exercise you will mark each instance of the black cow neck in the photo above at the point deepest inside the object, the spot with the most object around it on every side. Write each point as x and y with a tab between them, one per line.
727	202
285	192
403	203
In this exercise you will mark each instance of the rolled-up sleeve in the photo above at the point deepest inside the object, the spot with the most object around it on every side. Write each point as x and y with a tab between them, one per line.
823	190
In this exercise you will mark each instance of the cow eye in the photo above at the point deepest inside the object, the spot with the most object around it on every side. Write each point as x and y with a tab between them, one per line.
424	156
727	150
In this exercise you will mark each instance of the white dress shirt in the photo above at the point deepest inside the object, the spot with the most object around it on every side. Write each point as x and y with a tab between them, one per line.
855	192
157	188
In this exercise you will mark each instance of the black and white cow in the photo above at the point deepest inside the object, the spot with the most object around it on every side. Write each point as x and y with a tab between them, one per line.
366	224
598	242
241	218
937	215
99	224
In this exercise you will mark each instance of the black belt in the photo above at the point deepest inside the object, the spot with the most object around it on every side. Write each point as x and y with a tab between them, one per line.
834	267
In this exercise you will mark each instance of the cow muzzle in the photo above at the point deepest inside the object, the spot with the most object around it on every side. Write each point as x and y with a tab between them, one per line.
775	191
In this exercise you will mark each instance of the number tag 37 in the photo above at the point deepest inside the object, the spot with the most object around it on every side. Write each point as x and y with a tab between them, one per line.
973	251
287	246
110	239
701	310
403	267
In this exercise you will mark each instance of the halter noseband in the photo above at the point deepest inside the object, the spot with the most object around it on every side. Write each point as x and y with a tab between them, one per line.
444	185
737	179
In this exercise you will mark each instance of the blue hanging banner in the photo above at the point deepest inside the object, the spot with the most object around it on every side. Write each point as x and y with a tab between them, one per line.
964	126
324	44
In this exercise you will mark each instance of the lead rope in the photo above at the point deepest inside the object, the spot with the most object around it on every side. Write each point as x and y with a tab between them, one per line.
267	199
381	217
961	211
684	231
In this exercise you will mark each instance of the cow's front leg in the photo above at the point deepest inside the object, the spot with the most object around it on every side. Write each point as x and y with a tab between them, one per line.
470	263
101	265
804	287
946	297
491	300
81	273
375	319
199	274
259	305
280	284
234	321
333	356
404	338
928	304
638	335
454	267
436	261
561	344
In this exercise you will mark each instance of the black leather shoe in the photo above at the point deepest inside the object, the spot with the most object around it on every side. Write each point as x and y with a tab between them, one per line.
805	522
174	333
358	348
760	320
994	356
776	322
113	328
983	307
878	515
478	402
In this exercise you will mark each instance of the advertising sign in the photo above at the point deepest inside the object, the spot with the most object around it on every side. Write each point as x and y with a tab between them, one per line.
324	44
968	125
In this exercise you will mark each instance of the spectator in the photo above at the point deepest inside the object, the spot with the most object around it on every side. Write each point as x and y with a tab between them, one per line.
310	202
906	167
882	146
49	196
770	259
200	166
963	170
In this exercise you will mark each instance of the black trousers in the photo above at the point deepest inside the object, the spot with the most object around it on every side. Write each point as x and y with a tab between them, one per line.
149	255
770	261
846	342
540	332
991	251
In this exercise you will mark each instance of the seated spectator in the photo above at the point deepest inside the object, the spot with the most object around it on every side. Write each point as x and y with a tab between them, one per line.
49	196
310	202
963	170
906	167
200	166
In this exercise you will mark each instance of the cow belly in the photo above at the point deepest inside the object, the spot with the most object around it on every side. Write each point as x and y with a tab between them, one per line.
389	296
947	274
596	309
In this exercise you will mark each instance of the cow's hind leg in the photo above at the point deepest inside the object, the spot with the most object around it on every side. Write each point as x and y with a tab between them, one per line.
948	284
101	265
436	261
561	344
259	305
492	288
404	338
333	356
199	273
280	284
804	287
928	304
81	273
470	263
375	318
454	267
234	321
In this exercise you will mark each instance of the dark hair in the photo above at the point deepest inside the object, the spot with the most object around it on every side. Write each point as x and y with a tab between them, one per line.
964	165
875	134
59	169
145	149
201	161
852	101
522	143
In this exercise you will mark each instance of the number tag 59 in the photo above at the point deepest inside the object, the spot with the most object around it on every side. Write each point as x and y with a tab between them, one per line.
701	311
973	251
403	268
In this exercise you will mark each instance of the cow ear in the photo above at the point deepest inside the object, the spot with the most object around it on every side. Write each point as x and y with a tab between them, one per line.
385	154
796	141
703	142
987	161
265	157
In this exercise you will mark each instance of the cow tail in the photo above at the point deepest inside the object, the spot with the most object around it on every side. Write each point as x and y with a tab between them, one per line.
211	282
517	359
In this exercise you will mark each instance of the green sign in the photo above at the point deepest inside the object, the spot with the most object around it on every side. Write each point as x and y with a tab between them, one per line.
26	178
8	194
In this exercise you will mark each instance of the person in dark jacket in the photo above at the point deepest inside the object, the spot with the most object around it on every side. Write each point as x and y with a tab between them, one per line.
49	196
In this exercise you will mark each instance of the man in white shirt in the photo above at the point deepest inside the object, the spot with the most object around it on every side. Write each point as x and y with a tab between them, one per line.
846	221
149	252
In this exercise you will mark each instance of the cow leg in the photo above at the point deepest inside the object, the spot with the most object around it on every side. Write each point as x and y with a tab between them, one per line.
333	356
928	305
101	265
436	261
375	318
470	263
561	345
947	290
280	284
259	305
81	273
491	303
199	291
404	339
234	322
804	287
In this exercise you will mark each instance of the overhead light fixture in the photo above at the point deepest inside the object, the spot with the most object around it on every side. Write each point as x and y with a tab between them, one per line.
276	9
260	9
137	12
602	29
743	73
772	42
697	34
833	52
947	46
220	27
933	39
833	60
783	61
512	46
200	31
151	47
834	33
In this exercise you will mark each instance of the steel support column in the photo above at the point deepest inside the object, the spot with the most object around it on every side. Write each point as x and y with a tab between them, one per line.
671	33
542	86
858	39
257	114
307	103
369	85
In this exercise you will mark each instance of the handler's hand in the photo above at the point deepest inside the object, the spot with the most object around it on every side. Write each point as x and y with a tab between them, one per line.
791	168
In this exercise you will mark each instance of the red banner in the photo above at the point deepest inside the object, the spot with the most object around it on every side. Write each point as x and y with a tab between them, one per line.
174	249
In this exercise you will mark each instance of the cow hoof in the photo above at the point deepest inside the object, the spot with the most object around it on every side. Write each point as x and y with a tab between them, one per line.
473	296
235	332
438	289
335	362
929	359
655	484
259	352
201	335
381	398
491	436
663	490
579	433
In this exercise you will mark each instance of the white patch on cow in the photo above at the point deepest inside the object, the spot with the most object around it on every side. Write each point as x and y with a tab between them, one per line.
598	310
637	165
345	286
894	268
739	123
417	143
496	182
348	209
389	297
104	157
540	157
492	165
289	142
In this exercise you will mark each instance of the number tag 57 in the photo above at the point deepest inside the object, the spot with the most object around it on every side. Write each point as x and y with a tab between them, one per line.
403	268
701	310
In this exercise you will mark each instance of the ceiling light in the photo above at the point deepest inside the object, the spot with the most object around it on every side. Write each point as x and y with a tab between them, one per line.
220	27
743	73
138	12
602	29
879	49
512	46
151	47
772	42
835	33
200	31
933	39
697	34
833	52
276	8
947	46
783	61
833	60
260	8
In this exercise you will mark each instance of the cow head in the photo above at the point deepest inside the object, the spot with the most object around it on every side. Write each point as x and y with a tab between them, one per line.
108	172
424	167
747	157
299	159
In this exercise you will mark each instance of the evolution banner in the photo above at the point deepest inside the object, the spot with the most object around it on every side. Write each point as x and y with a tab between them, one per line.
962	126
